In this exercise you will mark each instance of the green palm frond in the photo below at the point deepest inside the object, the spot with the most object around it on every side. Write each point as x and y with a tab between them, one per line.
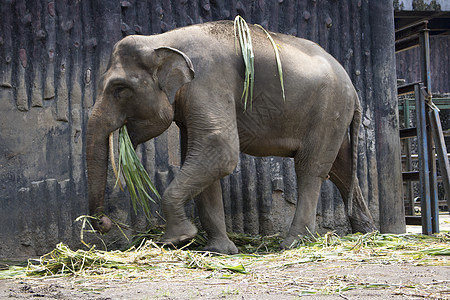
245	41
277	56
242	33
136	177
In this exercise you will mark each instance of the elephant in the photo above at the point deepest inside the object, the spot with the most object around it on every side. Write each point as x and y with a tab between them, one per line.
194	76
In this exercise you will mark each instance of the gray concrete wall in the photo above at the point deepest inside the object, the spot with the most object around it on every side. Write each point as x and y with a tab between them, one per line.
51	56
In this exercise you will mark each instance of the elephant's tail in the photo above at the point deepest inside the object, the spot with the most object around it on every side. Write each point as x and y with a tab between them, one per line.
354	135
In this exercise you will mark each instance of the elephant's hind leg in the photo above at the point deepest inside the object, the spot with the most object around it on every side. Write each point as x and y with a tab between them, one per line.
341	175
309	181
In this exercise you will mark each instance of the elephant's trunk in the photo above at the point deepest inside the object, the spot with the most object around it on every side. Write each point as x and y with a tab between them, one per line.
97	150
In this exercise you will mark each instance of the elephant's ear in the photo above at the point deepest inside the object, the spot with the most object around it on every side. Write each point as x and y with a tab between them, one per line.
174	69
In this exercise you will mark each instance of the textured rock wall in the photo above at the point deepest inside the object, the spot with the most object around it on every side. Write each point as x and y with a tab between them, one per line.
51	56
408	64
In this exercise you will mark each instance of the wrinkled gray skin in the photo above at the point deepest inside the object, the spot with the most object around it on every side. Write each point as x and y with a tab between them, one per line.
150	82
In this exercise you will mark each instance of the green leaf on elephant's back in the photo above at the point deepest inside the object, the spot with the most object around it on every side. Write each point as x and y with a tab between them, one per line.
242	32
277	57
139	184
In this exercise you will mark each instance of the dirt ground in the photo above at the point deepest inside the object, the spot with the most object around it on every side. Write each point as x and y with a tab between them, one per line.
289	277
327	280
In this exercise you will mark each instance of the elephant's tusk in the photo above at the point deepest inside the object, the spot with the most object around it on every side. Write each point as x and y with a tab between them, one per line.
113	162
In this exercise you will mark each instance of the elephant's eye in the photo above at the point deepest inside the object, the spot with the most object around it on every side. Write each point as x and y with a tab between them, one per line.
122	92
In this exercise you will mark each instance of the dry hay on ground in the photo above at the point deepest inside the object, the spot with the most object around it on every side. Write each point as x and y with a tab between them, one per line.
373	264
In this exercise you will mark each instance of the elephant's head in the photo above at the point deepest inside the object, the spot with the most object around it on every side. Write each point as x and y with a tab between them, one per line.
137	89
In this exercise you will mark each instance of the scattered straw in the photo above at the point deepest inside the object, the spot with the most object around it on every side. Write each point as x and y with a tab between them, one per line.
259	262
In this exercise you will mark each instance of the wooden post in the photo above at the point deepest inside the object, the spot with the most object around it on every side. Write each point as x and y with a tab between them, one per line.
392	211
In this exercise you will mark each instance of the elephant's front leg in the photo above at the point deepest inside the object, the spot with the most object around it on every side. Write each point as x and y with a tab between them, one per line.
178	227
208	159
212	217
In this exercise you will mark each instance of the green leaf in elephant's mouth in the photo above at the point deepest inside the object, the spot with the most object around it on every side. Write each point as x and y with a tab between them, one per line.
136	177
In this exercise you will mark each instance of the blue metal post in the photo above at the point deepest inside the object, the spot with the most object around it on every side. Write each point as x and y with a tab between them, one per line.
425	198
424	39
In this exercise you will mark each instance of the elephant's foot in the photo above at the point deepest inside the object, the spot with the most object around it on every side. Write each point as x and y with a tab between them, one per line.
288	241
293	240
179	233
362	225
224	246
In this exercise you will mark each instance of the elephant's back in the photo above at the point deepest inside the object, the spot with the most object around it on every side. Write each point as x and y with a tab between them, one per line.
319	103
316	86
